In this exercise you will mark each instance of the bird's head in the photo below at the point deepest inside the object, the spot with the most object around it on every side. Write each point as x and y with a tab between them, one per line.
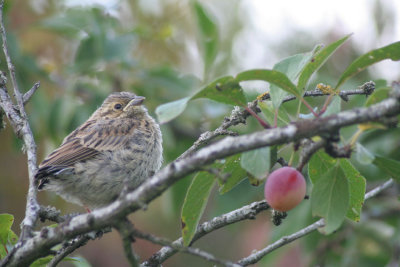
121	105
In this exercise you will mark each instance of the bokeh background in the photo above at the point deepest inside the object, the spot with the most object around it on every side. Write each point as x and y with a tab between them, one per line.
82	50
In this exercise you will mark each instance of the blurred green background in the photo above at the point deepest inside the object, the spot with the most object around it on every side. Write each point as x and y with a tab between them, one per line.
81	51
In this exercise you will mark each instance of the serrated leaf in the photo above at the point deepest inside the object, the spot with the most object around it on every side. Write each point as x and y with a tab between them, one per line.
224	90
257	162
272	76
171	110
389	166
357	185
391	51
317	61
208	34
195	203
237	174
330	199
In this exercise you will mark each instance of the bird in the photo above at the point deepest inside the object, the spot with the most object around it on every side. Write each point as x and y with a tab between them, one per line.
116	149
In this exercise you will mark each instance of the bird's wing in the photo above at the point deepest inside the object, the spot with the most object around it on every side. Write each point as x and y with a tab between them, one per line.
85	143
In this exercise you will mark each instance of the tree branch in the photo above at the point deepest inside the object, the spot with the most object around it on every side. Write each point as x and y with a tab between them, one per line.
247	212
189	250
173	172
68	248
19	120
27	96
125	229
239	116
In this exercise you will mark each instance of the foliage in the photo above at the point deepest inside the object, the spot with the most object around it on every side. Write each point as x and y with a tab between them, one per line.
338	188
98	52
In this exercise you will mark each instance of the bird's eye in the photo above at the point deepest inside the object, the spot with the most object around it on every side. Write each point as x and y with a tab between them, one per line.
117	106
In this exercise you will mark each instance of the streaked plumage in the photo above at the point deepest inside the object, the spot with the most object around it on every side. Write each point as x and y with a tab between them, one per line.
120	143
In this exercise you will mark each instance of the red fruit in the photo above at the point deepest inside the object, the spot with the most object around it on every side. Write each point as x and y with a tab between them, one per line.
285	188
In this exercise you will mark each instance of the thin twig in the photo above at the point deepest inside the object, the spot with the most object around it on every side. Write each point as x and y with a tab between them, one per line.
239	117
68	249
247	212
25	132
72	245
54	215
379	189
308	151
27	96
256	256
125	229
193	251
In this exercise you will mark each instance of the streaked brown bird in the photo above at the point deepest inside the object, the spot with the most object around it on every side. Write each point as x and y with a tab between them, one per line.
120	144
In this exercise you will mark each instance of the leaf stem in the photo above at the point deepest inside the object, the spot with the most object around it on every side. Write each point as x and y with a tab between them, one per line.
309	107
259	119
327	102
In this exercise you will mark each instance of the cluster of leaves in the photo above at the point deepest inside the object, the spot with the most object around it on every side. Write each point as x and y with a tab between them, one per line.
338	188
105	54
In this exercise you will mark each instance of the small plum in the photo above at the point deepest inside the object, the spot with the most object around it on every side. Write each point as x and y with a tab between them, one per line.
285	188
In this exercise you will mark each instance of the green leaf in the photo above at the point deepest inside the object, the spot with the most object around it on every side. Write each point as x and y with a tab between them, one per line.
257	162
330	198
80	262
224	90
377	96
363	156
291	66
46	260
42	261
269	113
319	164
195	203
272	76
391	51
7	236
322	163
389	166
6	221
171	110
356	189
317	61
237	174
208	33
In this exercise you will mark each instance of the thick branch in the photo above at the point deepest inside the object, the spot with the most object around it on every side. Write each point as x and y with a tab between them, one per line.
239	116
176	170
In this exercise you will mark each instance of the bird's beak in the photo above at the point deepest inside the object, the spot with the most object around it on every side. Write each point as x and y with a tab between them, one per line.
137	101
